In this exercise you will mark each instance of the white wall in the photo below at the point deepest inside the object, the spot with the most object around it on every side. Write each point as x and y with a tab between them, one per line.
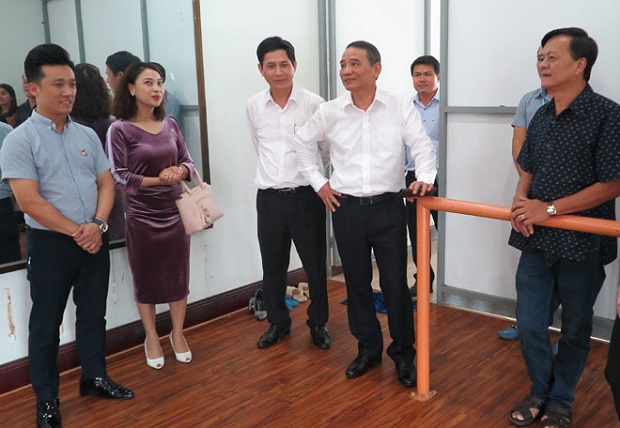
20	30
492	46
396	28
491	62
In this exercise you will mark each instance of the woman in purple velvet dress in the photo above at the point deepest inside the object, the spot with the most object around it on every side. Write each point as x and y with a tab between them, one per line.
149	160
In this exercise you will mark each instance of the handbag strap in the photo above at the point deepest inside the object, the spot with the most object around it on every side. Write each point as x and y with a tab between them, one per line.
197	181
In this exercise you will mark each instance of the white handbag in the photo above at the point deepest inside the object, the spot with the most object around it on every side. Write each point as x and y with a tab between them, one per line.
197	206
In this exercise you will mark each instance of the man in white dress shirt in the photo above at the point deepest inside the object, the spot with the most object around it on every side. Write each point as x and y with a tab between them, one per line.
287	207
367	130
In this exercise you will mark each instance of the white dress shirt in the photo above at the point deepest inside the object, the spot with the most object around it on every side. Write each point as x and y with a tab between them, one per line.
273	129
366	147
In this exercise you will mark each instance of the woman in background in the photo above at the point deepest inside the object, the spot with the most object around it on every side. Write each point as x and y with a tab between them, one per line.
8	104
149	160
92	108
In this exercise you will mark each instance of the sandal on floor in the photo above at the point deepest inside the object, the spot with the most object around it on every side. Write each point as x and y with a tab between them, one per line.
523	408
556	417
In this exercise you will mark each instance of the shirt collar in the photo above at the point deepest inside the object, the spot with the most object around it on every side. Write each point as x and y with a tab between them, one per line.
580	104
47	122
380	96
416	98
540	93
293	97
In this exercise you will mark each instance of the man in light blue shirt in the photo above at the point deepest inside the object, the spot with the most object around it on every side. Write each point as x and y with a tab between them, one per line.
528	106
425	74
61	179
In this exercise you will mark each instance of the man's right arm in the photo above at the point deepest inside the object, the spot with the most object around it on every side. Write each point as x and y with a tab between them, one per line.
519	131
306	140
32	203
518	138
251	127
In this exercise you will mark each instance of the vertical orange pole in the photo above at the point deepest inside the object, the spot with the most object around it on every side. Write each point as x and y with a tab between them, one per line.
423	392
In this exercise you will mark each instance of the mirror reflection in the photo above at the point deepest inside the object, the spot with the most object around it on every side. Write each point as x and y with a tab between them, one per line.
82	27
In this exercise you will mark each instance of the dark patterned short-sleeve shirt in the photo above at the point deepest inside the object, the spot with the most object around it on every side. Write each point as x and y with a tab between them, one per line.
565	154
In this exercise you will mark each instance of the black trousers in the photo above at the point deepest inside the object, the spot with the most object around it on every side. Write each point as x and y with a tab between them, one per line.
612	371
412	218
298	215
9	235
380	227
55	264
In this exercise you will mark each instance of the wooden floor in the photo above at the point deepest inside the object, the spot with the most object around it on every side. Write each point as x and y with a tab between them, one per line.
230	383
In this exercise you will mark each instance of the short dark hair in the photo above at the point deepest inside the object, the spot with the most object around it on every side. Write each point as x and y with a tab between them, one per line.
119	61
426	60
274	43
45	54
581	46
371	50
124	105
92	100
11	91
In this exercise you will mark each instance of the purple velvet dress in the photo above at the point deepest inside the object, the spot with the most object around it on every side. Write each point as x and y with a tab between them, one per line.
156	242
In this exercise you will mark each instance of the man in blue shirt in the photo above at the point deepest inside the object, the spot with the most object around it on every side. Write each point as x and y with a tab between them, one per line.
61	179
425	74
571	165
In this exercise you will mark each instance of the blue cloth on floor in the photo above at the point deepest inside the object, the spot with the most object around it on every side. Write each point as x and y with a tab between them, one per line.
379	302
291	302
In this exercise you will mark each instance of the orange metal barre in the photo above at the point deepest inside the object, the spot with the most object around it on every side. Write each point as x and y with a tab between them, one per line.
498	212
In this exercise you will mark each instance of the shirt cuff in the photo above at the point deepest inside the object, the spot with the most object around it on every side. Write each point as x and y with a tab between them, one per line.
426	177
317	181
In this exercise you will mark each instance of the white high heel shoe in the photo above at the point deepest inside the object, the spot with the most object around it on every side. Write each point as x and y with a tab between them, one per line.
183	357
154	363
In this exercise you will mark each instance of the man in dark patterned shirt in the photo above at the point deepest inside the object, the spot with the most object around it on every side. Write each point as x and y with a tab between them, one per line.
571	164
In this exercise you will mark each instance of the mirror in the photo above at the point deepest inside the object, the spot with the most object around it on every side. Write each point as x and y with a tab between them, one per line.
158	30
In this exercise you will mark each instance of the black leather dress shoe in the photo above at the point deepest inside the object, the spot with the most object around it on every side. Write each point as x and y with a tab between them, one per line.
360	365
407	374
104	387
272	336
48	414
321	337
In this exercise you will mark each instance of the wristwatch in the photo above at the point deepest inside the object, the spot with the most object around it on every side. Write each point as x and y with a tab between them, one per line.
551	209
103	226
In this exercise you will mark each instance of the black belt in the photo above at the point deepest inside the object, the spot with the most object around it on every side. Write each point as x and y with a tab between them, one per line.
287	191
369	200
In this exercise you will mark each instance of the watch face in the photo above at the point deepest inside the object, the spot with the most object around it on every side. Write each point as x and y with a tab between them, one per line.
551	210
103	226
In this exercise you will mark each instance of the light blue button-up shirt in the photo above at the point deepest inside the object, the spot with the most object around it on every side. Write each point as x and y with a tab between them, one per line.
430	120
528	106
5	189
65	165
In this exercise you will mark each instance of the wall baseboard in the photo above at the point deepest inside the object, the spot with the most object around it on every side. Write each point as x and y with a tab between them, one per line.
458	297
15	373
